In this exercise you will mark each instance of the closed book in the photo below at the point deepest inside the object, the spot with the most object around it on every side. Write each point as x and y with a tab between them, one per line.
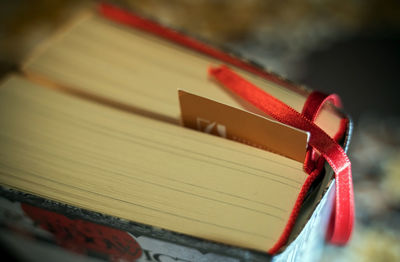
93	144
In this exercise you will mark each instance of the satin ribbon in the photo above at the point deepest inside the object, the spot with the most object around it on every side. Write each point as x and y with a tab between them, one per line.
342	220
343	216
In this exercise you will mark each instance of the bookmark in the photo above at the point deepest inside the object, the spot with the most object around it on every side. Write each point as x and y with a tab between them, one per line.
342	219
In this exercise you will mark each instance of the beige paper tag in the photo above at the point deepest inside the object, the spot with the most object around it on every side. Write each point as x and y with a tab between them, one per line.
215	118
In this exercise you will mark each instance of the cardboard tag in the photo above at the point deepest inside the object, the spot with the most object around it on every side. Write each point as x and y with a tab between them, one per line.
215	118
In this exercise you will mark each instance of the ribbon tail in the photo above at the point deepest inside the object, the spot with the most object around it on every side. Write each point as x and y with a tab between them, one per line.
342	218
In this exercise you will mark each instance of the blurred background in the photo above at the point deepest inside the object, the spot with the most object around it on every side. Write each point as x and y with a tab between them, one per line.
351	48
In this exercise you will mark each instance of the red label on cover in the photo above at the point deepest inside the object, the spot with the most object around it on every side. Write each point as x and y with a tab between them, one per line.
84	237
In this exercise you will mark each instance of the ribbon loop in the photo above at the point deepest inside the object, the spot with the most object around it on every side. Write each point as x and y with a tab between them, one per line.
343	215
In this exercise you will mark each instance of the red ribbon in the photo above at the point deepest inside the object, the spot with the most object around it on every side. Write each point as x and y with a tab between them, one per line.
343	215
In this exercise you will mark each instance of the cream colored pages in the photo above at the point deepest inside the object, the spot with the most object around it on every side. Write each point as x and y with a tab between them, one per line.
91	156
141	70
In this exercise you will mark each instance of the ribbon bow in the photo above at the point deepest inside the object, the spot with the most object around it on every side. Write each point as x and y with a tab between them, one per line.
342	220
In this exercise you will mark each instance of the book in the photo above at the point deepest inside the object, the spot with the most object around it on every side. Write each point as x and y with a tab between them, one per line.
93	54
93	123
